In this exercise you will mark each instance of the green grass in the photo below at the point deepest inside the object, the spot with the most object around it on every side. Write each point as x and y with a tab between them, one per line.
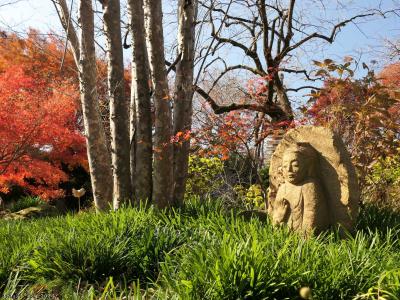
197	252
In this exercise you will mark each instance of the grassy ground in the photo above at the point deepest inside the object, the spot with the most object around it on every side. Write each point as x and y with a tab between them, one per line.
198	252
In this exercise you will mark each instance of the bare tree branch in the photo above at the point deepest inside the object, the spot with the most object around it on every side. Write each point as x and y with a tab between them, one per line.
298	72
272	110
314	35
237	67
303	88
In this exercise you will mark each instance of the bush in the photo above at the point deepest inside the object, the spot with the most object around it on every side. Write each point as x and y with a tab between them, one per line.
383	183
205	176
252	197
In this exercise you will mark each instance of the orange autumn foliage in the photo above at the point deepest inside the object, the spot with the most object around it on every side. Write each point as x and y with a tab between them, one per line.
390	75
39	121
390	78
365	112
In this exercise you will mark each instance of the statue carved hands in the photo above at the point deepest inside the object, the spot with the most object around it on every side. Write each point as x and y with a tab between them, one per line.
281	210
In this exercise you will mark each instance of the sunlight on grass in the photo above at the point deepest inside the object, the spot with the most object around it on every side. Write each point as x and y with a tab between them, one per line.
198	252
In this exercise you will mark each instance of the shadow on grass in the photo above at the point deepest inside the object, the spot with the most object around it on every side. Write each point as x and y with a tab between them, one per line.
373	218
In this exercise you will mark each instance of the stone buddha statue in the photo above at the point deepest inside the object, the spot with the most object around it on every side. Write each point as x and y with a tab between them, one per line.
313	184
300	202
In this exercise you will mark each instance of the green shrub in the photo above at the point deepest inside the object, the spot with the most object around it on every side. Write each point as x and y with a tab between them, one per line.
204	176
264	176
251	197
254	196
383	184
25	202
386	170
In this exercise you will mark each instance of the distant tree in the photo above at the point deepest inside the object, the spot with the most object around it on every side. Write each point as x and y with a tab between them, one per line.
393	49
390	78
270	37
269	34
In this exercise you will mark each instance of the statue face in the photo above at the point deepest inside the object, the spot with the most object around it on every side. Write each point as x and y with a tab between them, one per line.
294	168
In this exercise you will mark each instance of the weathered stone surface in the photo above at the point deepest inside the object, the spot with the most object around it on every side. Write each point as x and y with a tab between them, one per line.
313	184
43	210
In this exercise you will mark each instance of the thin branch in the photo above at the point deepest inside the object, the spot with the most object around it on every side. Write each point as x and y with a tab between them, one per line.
173	65
303	88
327	38
126	45
247	51
66	21
211	44
272	110
10	3
236	67
66	37
298	72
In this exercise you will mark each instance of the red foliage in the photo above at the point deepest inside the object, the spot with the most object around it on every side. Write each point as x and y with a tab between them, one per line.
226	134
390	76
39	123
237	132
364	112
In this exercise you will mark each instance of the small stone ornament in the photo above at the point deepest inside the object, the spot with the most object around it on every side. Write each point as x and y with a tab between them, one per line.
78	194
313	184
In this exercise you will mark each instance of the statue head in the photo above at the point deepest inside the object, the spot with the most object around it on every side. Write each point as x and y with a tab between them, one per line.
298	163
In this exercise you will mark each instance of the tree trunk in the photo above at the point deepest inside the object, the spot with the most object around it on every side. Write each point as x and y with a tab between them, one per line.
163	151
119	104
141	95
183	94
132	137
282	98
98	155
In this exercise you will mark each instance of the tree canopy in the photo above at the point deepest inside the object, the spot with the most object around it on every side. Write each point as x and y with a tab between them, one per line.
40	131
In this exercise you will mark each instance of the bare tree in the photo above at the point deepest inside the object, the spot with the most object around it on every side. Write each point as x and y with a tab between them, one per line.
163	151
140	105
268	33
119	104
98	154
184	93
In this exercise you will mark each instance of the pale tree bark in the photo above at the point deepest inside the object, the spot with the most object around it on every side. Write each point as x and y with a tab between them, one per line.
163	151
98	154
132	137
119	104
65	19
140	100
183	94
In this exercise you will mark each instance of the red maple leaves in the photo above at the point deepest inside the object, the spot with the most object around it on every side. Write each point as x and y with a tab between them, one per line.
39	123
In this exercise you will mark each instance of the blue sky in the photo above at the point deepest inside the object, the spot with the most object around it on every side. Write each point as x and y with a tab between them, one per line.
364	40
368	35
